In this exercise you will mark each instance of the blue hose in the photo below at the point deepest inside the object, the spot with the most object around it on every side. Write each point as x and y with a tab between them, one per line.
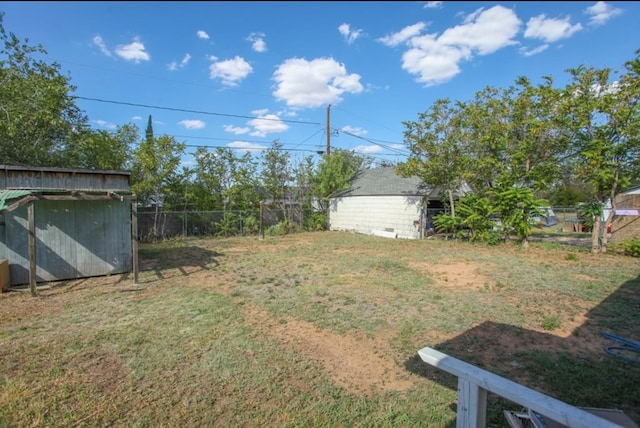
627	345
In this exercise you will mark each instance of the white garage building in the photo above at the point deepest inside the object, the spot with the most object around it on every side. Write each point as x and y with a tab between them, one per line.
380	202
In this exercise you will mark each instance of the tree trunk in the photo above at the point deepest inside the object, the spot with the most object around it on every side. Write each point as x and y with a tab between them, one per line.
451	203
595	235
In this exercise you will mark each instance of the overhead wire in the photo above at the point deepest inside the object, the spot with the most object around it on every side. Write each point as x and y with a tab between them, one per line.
182	110
381	143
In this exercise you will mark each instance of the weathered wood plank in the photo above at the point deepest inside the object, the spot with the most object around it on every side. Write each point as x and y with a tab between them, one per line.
470	401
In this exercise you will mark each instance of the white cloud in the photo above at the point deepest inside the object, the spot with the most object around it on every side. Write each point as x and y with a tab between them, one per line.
230	71
601	12
244	146
236	130
433	5
436	59
136	118
484	31
267	124
433	62
202	35
192	124
535	51
403	35
257	42
355	131
97	40
349	35
305	84
105	124
549	29
173	66
134	51
260	112
368	149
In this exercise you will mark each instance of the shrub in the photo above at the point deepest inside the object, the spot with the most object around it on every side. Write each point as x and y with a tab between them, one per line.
629	247
315	222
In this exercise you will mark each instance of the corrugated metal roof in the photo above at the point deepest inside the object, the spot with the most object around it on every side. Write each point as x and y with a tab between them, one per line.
9	194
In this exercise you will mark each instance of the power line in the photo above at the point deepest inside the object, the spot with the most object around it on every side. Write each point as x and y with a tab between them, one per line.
193	111
376	142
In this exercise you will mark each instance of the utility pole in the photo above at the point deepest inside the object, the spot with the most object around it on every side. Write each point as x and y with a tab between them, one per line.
328	130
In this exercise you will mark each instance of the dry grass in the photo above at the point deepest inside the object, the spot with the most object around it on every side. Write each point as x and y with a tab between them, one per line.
315	329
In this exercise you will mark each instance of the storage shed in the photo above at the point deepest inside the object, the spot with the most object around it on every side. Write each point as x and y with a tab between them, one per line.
380	202
58	224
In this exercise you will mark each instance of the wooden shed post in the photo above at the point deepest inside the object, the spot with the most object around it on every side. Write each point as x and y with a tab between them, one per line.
134	239
32	248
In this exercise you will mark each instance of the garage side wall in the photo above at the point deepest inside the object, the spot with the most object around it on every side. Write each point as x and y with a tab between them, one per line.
74	239
399	215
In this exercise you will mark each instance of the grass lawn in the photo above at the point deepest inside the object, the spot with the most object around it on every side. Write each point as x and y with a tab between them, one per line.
317	329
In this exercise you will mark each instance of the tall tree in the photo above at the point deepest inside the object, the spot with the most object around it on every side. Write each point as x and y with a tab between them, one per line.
100	149
437	149
603	123
38	113
148	133
156	173
224	180
276	175
334	173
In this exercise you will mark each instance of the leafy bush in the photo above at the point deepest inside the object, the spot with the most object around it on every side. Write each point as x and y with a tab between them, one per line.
446	223
283	228
587	212
628	248
250	225
315	222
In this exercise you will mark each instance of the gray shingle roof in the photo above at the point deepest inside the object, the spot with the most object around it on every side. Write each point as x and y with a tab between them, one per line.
385	181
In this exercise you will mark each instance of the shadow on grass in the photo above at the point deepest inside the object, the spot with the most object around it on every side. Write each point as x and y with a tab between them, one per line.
576	369
186	260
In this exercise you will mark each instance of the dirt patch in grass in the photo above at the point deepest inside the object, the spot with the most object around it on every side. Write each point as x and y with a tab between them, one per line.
358	364
462	274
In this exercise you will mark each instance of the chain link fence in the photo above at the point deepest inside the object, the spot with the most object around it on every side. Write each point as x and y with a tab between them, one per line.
169	224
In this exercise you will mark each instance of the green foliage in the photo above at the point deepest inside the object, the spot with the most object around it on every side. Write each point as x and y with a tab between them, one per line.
571	257
568	195
601	116
477	214
551	323
250	225
334	173
629	247
276	174
588	212
38	111
229	225
516	206
222	180
315	221
446	223
437	151
103	150
284	227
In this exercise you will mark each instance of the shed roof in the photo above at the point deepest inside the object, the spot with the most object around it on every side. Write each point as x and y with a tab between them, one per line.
384	181
8	195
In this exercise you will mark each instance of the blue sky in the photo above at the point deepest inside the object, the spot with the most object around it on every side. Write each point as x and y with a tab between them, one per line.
243	74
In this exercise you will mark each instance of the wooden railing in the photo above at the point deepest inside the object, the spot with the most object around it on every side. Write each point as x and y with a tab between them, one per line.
474	383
